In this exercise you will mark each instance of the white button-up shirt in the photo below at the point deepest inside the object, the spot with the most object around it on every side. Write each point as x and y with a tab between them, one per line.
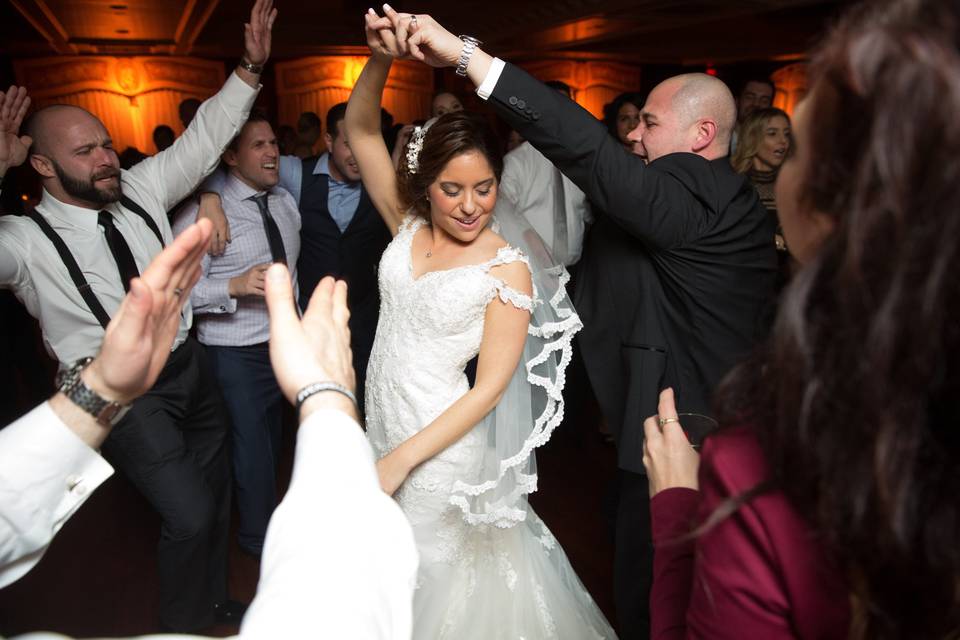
339	559
530	182
32	268
230	322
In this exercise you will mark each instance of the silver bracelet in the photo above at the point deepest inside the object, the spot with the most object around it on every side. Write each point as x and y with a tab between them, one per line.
470	45
317	387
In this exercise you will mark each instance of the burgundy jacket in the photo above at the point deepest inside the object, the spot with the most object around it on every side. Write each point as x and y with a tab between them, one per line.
759	573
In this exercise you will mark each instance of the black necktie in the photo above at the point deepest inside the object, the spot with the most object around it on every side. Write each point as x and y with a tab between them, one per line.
273	231
126	265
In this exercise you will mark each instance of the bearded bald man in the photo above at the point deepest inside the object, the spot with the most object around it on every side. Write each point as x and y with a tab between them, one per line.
71	262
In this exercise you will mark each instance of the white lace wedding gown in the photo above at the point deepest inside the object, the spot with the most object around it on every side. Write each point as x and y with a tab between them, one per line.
476	581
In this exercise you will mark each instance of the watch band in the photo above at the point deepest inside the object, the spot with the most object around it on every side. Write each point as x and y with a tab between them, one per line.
249	66
470	45
106	412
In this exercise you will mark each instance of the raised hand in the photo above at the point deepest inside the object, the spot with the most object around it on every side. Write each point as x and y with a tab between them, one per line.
257	34
417	36
13	147
315	348
138	339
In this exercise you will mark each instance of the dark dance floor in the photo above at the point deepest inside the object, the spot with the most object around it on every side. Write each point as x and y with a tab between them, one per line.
99	576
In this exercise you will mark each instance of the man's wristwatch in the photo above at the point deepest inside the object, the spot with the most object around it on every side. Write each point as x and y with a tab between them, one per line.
106	412
470	45
249	66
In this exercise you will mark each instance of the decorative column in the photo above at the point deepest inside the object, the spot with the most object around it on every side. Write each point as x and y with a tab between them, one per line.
792	83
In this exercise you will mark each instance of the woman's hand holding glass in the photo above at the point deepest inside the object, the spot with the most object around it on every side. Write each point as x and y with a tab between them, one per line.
670	459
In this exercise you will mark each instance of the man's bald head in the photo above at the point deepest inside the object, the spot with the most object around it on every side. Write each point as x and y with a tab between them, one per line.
691	113
46	123
73	153
701	96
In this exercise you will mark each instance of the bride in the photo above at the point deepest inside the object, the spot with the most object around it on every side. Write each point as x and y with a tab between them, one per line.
461	278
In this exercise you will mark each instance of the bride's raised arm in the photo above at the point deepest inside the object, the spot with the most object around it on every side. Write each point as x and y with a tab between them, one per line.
362	123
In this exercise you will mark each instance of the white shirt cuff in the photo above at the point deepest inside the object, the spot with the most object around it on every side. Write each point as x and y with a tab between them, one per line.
490	81
46	473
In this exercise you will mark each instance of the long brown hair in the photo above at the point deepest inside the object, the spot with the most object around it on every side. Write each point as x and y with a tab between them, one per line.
751	134
856	397
449	136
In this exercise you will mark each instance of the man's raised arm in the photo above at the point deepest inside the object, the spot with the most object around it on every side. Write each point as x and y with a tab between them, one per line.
568	135
174	173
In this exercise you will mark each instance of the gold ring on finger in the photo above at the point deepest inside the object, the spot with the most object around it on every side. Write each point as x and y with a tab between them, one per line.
664	421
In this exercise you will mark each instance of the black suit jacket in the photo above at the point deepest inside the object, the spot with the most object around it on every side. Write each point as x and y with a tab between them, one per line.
352	255
676	280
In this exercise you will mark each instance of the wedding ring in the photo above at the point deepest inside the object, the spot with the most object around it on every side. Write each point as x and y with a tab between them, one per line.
664	421
178	292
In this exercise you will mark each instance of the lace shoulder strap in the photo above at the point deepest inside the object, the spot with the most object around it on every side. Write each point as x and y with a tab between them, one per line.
506	293
411	222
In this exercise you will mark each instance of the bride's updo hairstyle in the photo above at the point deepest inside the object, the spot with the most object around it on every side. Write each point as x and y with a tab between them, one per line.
450	135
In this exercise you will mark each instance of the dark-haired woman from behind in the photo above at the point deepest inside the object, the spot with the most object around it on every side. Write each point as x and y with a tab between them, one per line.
459	282
827	507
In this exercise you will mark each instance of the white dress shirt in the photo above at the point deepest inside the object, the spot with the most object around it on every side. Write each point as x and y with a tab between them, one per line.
224	321
339	559
32	268
46	473
530	181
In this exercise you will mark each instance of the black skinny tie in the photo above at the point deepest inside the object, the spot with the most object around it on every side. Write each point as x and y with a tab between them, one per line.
277	251
126	265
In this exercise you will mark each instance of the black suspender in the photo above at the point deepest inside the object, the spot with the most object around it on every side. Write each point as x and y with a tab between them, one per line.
75	273
127	203
71	263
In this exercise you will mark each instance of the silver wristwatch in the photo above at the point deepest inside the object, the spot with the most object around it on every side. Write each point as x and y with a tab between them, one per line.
470	45
106	412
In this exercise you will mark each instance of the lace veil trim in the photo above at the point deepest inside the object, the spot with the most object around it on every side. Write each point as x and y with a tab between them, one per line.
532	405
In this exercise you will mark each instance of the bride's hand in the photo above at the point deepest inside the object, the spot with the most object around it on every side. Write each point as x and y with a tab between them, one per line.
392	470
387	35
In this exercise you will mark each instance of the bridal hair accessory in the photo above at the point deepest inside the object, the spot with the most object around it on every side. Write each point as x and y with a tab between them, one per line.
415	146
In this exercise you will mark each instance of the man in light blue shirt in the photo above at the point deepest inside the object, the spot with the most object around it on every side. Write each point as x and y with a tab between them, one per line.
342	233
232	319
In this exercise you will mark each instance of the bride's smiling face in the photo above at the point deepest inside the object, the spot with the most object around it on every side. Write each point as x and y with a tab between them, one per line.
463	196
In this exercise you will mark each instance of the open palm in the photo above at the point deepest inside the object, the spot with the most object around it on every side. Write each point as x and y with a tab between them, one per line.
13	147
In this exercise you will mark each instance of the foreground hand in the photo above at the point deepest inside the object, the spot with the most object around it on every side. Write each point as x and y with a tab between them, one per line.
13	148
211	208
139	337
667	454
257	34
393	471
316	348
424	38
